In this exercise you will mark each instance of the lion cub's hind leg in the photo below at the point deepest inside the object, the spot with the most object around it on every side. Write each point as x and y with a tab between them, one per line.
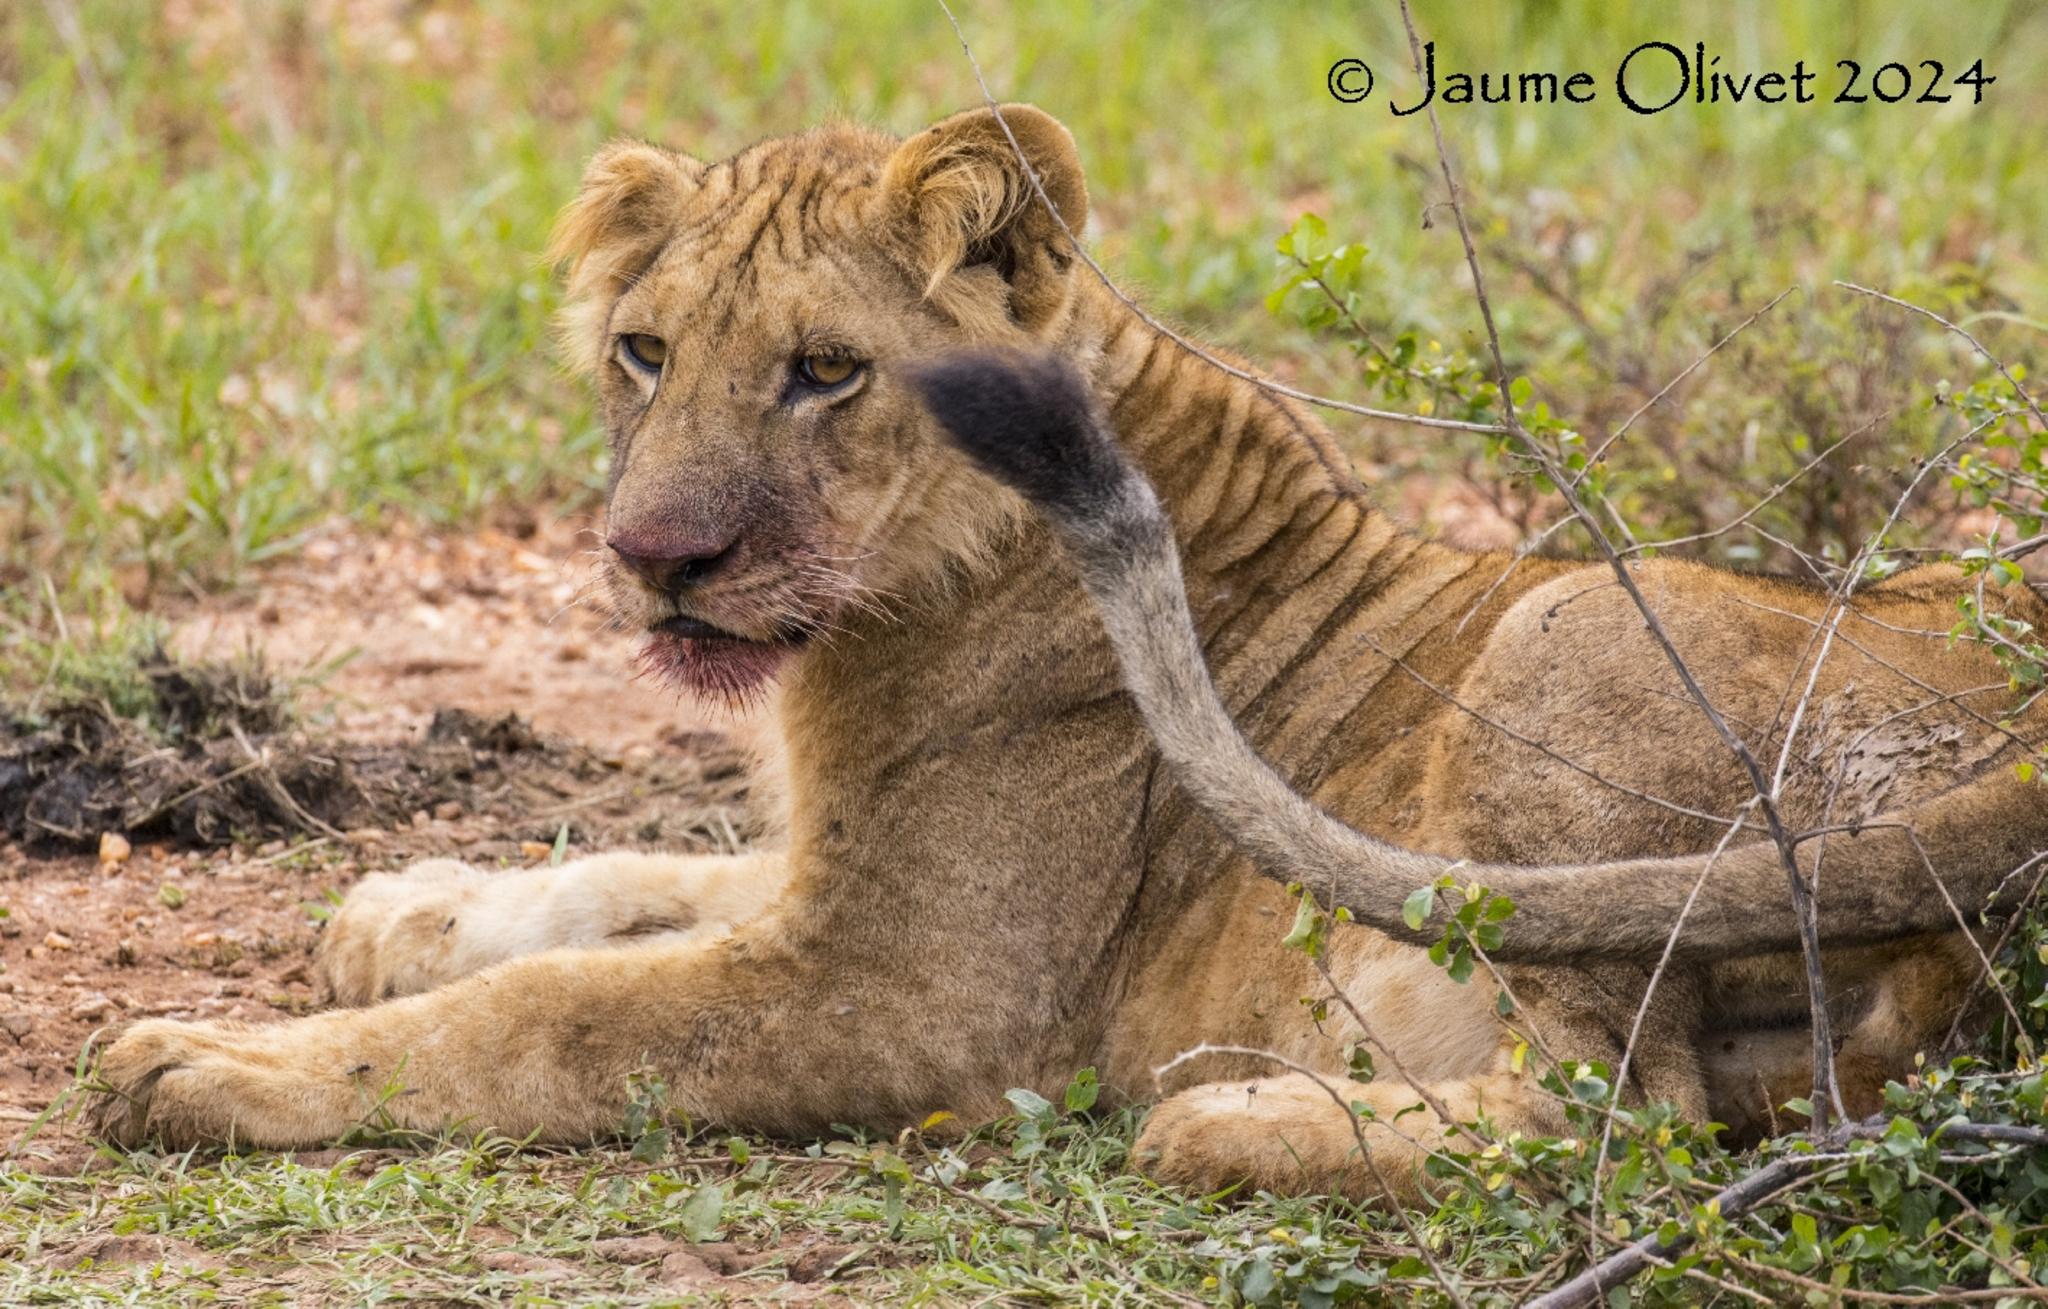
1924	989
1288	1135
401	933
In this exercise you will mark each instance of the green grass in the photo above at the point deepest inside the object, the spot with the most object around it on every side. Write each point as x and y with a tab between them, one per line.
263	267
1038	1207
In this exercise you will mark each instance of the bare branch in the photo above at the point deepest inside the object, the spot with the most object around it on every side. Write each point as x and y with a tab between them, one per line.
1534	744
1963	924
1635	1030
1751	1192
1600	452
1733	1202
1769	496
1975	344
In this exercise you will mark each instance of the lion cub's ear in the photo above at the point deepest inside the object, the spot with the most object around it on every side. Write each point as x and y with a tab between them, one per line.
623	213
961	201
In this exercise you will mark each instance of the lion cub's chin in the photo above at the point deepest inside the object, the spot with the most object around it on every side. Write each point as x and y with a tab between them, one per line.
722	668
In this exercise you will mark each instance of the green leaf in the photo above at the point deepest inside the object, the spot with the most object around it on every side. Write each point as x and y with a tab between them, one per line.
701	1213
1520	390
1303	934
1415	909
561	846
892	1203
1029	1103
1277	297
1360	1063
652	1147
1258	1284
1082	1091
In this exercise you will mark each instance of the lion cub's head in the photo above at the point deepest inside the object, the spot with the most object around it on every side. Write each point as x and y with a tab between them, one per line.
749	324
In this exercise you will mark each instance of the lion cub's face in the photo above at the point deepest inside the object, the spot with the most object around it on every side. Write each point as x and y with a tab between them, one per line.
773	476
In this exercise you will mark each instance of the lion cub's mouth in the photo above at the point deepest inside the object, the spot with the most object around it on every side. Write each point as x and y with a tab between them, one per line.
696	629
704	659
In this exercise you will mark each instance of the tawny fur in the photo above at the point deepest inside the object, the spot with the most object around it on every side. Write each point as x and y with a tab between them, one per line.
989	880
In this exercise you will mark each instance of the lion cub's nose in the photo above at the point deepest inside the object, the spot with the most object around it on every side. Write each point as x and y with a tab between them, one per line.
671	563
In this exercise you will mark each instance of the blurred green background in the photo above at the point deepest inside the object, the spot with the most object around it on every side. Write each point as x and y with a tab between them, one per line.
265	263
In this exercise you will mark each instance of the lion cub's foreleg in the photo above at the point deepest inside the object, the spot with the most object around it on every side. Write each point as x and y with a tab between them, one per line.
401	933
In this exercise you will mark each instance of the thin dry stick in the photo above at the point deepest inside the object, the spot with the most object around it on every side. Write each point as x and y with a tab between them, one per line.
1963	924
210	784
1823	1293
1263	383
1423	1093
1802	900
1397	661
1522	551
1635	1030
1975	344
1769	496
2012	924
1535	543
268	777
1838	601
1971	1211
1849	752
1601	451
1890	667
1754	1190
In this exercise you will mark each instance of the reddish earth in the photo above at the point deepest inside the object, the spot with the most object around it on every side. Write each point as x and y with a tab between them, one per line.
486	623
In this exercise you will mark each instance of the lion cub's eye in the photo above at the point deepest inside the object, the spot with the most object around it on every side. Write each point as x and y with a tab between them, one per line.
827	371
646	351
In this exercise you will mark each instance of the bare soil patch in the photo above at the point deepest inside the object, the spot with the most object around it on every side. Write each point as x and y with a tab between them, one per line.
467	724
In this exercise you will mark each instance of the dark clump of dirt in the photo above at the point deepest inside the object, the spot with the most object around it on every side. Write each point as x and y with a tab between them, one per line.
214	756
508	734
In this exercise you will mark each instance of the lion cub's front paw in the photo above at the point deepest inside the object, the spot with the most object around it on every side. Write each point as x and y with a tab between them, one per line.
397	933
279	1085
168	1081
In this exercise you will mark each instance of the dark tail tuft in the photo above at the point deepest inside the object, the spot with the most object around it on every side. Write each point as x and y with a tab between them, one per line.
1028	421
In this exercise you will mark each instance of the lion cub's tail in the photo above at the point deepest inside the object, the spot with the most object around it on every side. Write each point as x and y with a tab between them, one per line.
1030	422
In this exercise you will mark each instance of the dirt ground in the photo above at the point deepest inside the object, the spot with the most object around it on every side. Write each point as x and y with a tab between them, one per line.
487	624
